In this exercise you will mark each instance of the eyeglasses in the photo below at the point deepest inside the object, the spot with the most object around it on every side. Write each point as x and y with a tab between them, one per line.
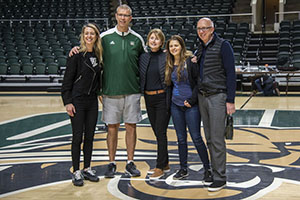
123	15
203	28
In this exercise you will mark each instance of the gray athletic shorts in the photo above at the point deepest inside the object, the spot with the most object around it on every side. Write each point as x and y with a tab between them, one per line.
120	108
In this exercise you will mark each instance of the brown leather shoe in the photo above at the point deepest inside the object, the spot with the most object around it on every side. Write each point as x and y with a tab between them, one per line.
151	171
157	174
166	169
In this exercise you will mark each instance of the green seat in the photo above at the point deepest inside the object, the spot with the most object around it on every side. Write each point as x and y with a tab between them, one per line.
13	59
237	58
37	59
2	59
52	68
35	52
58	52
3	68
14	69
46	52
11	53
23	52
49	59
25	59
62	61
296	64
39	68
27	68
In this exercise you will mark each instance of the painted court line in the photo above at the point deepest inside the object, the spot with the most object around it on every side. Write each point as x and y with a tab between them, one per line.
267	118
40	130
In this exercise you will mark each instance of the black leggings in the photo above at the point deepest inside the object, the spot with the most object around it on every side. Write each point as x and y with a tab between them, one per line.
84	121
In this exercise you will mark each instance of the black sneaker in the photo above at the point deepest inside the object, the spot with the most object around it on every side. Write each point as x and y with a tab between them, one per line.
89	174
111	170
216	186
207	179
131	170
180	174
77	178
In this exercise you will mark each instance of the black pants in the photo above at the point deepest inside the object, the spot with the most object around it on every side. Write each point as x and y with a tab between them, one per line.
83	123
159	119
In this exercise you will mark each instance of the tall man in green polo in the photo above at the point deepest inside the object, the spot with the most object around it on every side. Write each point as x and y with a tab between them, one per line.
121	93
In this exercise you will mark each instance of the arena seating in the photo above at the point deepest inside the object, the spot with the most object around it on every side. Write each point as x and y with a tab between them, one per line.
289	44
36	35
38	45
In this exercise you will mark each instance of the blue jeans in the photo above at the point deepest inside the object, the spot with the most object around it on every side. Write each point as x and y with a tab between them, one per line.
184	117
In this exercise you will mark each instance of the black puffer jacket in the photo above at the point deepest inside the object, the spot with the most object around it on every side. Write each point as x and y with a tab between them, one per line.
144	61
80	78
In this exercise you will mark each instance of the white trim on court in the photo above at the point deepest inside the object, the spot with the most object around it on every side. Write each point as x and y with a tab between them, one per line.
267	118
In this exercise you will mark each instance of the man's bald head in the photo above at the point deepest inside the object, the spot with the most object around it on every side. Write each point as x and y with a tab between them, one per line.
205	29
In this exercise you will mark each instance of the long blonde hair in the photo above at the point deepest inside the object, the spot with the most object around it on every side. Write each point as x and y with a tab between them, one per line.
184	54
97	48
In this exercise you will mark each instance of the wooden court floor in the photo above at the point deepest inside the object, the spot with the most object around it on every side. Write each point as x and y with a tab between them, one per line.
263	159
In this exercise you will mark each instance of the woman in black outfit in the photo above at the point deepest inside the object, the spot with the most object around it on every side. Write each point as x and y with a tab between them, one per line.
79	93
152	75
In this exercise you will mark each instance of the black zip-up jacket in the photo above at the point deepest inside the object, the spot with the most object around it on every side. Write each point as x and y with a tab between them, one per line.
144	61
80	78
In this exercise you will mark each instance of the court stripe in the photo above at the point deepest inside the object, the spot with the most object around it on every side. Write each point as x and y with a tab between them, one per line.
267	118
39	130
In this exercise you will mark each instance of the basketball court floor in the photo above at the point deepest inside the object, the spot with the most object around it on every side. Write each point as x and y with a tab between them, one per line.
263	159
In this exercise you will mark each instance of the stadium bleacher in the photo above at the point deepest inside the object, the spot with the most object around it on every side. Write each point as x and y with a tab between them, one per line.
36	35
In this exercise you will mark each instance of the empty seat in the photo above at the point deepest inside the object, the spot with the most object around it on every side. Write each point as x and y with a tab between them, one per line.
14	69
27	69
39	68
52	68
25	59
3	68
62	61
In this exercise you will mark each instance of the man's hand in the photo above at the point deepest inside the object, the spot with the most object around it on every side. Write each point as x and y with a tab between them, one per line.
194	59
70	109
74	50
230	108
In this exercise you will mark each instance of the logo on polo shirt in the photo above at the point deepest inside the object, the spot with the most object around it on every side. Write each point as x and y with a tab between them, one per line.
112	42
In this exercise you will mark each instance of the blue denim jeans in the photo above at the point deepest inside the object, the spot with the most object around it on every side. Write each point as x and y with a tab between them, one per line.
183	118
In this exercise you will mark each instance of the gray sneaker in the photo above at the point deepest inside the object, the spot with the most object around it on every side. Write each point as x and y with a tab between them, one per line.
89	174
111	170
77	178
131	170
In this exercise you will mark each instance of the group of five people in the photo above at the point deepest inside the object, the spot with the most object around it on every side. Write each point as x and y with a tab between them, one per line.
174	83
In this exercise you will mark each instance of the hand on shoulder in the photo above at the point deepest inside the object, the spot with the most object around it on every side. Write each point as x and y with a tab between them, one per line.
74	50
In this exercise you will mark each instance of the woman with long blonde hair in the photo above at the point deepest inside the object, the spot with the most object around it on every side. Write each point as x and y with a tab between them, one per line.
184	108
80	87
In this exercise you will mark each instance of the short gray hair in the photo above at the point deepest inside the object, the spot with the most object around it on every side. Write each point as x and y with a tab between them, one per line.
125	7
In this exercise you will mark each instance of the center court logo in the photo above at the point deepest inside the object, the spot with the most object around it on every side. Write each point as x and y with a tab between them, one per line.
259	161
